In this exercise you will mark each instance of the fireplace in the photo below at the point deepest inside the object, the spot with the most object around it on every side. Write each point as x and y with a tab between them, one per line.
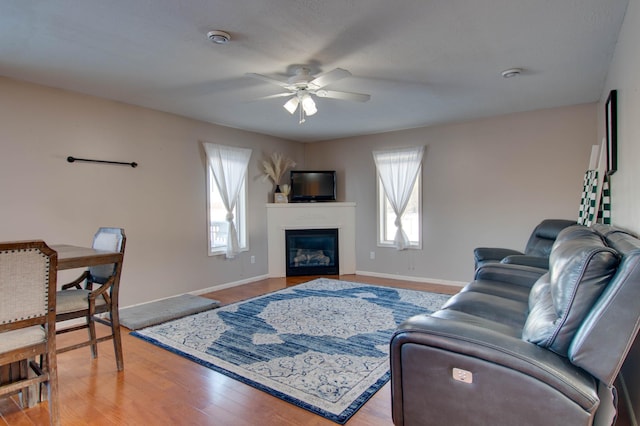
326	215
311	252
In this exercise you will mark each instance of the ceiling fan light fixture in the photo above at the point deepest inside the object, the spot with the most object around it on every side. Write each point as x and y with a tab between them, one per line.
292	104
309	105
301	87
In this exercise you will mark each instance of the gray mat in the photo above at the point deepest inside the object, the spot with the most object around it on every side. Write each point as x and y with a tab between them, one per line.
164	310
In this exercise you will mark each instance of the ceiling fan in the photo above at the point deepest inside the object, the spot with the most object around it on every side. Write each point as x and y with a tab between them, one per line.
301	86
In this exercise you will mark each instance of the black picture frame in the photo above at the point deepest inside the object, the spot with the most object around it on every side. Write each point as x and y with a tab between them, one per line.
611	112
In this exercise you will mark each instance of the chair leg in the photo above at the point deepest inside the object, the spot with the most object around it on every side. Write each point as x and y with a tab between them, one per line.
91	326
43	365
117	341
27	394
52	390
31	394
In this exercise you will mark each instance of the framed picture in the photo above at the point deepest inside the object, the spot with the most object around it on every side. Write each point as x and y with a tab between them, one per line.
612	133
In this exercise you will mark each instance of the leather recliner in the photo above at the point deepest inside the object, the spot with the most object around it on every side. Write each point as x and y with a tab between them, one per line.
523	345
537	249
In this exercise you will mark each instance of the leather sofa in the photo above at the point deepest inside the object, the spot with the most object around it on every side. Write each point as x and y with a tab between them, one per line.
521	345
536	251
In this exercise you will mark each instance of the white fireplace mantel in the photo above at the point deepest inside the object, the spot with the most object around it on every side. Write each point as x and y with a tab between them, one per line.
281	217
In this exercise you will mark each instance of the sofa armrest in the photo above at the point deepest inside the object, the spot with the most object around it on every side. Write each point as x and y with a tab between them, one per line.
483	254
535	261
512	381
520	275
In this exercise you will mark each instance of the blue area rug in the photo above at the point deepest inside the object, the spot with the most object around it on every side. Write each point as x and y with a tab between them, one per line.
322	345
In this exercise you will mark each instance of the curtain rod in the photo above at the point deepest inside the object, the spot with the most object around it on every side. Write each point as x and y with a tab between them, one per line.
72	159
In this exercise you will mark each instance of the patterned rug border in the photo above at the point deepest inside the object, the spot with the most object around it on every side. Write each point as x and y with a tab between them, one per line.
341	418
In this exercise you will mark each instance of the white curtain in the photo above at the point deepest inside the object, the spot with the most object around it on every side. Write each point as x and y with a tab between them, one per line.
398	169
229	167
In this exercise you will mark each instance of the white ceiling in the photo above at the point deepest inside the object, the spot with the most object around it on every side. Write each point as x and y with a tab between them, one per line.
423	62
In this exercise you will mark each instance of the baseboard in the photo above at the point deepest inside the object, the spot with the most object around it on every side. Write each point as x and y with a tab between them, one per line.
412	279
229	285
205	290
265	276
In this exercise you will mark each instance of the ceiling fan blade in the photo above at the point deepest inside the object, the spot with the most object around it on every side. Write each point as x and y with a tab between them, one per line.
329	77
268	79
277	95
347	96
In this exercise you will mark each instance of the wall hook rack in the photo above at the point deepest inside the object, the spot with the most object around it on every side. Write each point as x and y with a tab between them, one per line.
86	160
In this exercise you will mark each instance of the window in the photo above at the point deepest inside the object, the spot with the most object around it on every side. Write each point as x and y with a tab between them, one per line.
227	198
218	225
411	219
399	197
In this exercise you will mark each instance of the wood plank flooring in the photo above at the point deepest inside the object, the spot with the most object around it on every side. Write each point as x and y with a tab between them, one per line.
158	387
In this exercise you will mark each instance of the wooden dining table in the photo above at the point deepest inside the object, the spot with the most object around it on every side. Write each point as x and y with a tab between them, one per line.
71	257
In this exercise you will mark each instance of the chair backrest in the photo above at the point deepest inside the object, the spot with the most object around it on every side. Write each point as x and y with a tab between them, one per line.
543	236
27	284
109	239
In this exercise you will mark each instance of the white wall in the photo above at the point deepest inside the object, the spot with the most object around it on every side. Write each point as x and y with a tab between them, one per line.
625	183
623	76
161	204
485	183
503	173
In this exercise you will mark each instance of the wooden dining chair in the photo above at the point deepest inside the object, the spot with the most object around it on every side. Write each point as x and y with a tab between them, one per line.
28	323
98	295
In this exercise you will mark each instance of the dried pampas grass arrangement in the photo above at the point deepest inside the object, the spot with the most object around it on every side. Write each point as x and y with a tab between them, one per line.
276	166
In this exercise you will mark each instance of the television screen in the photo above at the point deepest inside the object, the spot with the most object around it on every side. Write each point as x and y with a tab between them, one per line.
309	186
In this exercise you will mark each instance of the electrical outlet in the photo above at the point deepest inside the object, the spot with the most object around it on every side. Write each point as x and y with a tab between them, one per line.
372	255
253	259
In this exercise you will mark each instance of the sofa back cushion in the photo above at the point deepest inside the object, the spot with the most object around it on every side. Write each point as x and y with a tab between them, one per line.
544	235
580	267
607	334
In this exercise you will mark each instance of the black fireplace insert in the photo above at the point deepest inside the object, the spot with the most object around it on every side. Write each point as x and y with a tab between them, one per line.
312	252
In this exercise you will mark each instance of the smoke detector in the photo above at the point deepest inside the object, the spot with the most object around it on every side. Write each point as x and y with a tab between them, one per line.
219	37
512	72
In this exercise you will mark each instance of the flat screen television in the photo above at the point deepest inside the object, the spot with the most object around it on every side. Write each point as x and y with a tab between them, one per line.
309	186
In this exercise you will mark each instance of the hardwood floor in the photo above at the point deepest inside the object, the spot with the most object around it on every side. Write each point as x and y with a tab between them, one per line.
160	388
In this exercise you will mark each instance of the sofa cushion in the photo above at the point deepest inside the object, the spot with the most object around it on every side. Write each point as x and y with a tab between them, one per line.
496	288
580	267
607	335
510	312
542	313
541	240
476	321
